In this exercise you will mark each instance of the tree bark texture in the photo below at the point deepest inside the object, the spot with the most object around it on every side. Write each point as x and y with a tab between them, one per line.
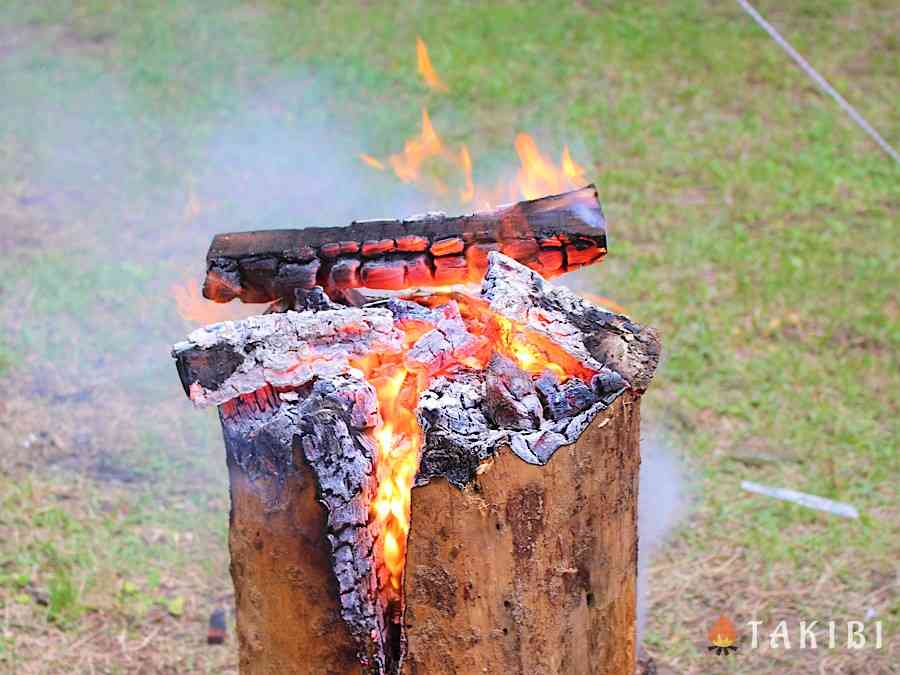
286	596
533	571
530	570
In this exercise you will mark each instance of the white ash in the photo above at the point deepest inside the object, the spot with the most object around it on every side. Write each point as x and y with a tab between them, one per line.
465	414
290	349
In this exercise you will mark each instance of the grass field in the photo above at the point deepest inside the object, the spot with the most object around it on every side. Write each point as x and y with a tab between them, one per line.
751	222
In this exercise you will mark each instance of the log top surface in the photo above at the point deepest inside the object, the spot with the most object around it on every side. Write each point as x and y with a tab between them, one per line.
577	212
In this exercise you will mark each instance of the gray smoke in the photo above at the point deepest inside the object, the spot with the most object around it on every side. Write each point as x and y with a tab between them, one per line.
661	505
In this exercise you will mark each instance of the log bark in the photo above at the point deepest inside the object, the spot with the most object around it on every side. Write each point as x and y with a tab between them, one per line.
286	595
552	235
533	570
287	598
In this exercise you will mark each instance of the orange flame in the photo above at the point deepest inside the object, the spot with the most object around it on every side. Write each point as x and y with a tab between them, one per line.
398	436
426	69
193	307
407	164
524	352
467	194
371	161
426	162
722	633
539	176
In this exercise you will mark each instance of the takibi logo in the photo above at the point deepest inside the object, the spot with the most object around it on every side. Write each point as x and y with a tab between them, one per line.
722	637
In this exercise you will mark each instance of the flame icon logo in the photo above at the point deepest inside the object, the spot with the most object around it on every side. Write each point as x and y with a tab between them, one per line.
722	636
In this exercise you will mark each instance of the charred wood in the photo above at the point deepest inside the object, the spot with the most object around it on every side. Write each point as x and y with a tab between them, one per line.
551	235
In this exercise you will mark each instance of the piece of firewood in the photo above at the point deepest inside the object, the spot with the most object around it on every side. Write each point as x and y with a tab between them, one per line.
552	235
533	569
301	477
551	460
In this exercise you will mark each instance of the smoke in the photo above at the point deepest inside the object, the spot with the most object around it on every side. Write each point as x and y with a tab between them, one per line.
110	194
662	503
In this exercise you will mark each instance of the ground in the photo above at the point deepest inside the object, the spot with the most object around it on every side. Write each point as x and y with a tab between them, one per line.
751	222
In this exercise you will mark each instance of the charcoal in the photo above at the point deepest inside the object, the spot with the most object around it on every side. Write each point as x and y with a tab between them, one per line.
313	300
608	383
450	249
511	400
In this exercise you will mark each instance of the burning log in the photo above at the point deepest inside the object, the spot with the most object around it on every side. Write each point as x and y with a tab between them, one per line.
515	415
434	482
551	235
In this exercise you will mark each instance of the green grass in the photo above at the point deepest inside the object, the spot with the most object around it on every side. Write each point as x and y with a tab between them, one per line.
752	223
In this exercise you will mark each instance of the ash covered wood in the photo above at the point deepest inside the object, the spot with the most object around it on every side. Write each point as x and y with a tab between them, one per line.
510	399
621	351
552	235
535	416
221	361
609	351
271	436
293	402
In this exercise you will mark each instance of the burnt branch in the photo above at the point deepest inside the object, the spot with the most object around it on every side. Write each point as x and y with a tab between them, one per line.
552	235
224	360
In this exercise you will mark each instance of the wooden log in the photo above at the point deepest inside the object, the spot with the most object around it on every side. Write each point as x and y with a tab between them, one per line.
552	234
534	569
531	571
286	594
521	557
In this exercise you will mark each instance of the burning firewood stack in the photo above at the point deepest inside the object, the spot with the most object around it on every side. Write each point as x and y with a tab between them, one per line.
433	451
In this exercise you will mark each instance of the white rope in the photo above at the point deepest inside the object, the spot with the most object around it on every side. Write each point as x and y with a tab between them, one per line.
821	81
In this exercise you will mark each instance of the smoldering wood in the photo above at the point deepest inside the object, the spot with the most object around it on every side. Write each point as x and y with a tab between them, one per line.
223	360
294	412
532	569
622	352
281	443
610	351
510	400
552	235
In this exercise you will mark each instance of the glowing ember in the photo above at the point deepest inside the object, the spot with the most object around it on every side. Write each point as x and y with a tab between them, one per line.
398	436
